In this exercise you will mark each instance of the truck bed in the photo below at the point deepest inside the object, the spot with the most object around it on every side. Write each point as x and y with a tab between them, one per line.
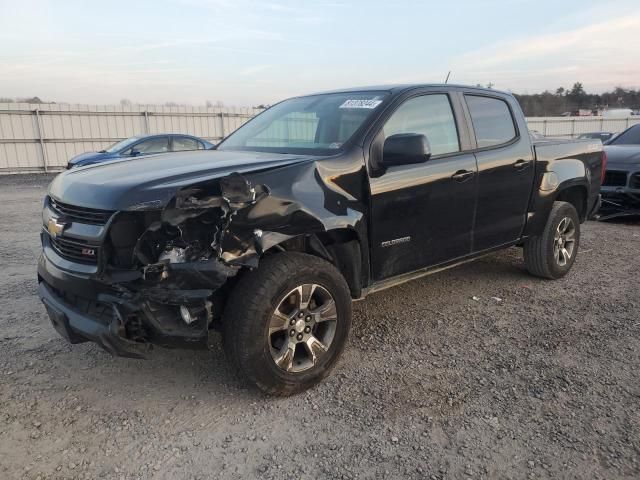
585	149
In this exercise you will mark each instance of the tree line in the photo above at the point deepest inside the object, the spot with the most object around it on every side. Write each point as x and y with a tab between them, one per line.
545	104
548	104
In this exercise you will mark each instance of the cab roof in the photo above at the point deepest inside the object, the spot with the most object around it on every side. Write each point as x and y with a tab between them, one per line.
397	88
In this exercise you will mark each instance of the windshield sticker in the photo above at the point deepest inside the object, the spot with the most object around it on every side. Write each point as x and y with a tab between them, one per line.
373	103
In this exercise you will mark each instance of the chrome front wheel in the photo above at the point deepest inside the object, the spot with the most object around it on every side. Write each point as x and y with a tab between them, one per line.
302	327
287	322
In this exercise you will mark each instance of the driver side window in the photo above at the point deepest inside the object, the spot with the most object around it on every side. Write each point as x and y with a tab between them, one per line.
430	115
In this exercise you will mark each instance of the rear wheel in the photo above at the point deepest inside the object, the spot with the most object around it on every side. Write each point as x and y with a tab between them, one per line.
551	254
287	322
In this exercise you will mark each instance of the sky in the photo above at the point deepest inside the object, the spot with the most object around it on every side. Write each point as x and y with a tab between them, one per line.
250	52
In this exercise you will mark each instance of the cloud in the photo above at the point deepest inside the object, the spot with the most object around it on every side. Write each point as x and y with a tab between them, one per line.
279	7
600	55
254	70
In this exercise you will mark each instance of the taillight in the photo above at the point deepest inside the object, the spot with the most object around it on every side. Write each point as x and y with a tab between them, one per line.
603	157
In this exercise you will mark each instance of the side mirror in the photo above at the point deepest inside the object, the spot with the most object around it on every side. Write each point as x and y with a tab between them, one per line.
134	152
405	148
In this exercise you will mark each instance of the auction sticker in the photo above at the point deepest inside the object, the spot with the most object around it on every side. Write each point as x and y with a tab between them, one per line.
373	103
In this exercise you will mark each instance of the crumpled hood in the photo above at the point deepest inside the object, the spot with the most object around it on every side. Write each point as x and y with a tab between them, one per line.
622	155
154	180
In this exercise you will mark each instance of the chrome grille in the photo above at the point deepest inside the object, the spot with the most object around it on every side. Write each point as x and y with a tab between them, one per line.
75	250
73	213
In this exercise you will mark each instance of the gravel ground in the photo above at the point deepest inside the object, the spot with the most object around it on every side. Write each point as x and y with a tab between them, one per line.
478	372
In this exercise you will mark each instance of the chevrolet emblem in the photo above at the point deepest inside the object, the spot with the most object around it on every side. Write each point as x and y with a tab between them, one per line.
55	227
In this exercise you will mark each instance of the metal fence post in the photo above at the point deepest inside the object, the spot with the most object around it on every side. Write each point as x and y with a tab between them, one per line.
573	127
45	163
146	121
544	127
222	125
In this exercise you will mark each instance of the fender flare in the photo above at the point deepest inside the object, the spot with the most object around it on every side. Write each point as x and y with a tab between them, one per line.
559	177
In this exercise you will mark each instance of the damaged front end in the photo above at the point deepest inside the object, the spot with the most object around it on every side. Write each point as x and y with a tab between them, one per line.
155	273
620	188
618	204
145	275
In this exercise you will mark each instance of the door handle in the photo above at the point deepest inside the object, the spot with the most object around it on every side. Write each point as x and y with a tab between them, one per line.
462	175
522	164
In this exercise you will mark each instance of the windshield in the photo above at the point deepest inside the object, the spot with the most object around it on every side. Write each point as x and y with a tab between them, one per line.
121	144
631	136
317	124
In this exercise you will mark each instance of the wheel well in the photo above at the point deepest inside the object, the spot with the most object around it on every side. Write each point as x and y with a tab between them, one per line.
576	196
340	247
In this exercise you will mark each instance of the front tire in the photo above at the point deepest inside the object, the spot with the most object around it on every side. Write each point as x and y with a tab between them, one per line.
287	322
552	254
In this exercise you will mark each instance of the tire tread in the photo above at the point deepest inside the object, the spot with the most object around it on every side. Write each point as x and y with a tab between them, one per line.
536	249
241	306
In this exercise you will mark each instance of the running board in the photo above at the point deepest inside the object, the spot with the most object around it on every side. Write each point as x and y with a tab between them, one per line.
423	272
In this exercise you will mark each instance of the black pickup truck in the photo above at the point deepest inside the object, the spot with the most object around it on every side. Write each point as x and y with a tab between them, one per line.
317	201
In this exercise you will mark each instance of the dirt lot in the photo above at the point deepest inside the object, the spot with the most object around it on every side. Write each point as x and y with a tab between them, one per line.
478	372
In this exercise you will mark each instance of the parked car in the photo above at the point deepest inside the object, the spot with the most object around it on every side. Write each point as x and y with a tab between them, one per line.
141	145
602	136
317	201
621	187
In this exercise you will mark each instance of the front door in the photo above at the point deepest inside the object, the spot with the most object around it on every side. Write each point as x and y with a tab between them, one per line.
422	214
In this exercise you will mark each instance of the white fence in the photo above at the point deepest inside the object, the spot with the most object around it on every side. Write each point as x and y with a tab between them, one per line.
570	127
42	138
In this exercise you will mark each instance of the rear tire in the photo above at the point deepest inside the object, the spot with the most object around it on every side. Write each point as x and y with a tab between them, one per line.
551	254
287	322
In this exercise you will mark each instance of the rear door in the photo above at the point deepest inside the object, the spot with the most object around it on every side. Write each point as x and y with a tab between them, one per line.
505	169
422	214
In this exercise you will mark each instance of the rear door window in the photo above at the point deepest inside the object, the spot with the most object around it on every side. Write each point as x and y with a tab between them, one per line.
492	120
181	144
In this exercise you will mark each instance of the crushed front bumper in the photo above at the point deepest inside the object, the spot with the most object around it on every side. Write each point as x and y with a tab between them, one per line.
82	309
620	192
78	327
619	204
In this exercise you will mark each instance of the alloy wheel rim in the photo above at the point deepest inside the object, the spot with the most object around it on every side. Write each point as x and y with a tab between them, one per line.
564	241
302	328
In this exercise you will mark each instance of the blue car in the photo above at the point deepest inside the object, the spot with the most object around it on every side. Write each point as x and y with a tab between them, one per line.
141	145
